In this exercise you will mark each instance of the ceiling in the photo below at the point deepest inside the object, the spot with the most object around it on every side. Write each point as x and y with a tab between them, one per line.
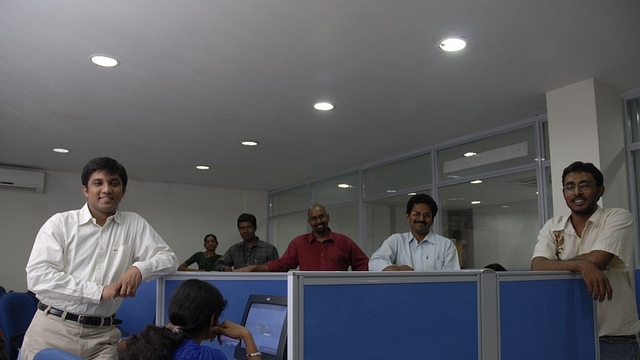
198	77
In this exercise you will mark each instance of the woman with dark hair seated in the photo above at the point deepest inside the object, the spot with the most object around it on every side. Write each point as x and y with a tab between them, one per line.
194	312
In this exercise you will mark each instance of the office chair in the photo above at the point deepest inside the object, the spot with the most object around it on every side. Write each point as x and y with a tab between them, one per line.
16	311
55	354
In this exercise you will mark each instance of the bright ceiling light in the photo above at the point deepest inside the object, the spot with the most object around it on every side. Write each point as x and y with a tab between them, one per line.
391	191
104	61
470	154
345	186
202	167
476	202
61	151
476	182
249	143
452	44
324	106
411	194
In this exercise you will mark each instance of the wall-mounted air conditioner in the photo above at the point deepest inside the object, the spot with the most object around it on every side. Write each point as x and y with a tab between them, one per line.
25	180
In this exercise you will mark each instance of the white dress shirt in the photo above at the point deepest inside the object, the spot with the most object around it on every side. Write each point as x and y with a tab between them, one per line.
73	258
435	252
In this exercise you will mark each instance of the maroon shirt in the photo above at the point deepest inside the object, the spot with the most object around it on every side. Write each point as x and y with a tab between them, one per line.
334	254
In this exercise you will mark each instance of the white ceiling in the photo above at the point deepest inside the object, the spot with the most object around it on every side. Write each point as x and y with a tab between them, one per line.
198	77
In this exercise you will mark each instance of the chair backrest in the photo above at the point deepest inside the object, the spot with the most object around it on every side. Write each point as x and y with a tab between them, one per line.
139	311
55	354
16	312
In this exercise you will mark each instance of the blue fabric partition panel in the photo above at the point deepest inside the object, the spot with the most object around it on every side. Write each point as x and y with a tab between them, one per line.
236	289
437	320
546	319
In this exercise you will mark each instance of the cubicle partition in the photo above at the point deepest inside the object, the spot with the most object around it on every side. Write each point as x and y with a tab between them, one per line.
546	315
467	314
390	315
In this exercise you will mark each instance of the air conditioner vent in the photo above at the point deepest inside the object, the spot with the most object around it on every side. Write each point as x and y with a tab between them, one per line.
22	180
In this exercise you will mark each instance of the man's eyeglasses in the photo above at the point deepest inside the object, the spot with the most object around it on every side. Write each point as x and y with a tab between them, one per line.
584	186
418	215
319	217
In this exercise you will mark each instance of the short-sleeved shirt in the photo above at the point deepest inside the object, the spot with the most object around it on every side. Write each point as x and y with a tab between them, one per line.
204	263
434	252
239	255
610	230
336	253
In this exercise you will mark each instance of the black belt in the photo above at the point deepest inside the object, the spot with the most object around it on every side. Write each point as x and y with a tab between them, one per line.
81	319
620	337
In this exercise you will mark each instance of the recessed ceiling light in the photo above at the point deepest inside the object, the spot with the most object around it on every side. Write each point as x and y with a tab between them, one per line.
505	206
452	44
324	106
61	151
476	182
475	202
104	61
470	154
345	186
202	167
250	143
411	194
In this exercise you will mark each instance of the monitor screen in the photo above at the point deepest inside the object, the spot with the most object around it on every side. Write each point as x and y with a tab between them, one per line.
265	316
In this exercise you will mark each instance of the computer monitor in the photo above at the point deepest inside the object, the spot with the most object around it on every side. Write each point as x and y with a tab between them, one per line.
265	316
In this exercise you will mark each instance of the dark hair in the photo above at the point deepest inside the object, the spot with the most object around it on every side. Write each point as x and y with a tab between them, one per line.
247	218
206	236
579	166
495	267
107	165
192	305
423	199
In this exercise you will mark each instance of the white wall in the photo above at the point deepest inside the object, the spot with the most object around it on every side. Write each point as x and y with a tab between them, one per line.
181	214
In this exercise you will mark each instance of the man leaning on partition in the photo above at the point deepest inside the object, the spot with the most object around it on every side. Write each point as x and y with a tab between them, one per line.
598	243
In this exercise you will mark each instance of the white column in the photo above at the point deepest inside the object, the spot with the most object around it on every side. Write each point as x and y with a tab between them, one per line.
586	124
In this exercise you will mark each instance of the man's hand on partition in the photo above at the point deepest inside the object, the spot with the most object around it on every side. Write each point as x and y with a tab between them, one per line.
597	282
129	282
111	291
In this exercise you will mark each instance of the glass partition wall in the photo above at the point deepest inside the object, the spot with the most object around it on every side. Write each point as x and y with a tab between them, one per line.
487	188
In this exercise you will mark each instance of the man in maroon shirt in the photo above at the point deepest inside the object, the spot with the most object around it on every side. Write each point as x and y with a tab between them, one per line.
320	250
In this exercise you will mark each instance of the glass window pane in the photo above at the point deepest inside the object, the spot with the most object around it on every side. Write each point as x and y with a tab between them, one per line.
345	219
282	229
288	201
636	162
545	140
385	217
337	190
633	107
502	228
498	152
403	174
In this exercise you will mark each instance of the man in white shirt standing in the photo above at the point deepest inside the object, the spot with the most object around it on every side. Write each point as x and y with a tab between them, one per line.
598	243
85	261
420	249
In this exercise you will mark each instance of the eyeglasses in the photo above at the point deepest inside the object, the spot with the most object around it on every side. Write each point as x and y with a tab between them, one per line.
584	186
319	217
418	215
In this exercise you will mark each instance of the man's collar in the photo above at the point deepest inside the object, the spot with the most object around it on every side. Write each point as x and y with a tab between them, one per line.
312	236
244	243
85	215
594	218
428	238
